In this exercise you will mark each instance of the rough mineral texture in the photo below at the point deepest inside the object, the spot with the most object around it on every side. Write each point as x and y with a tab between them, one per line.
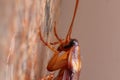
26	57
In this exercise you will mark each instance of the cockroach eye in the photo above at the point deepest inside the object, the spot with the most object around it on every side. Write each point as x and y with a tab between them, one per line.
74	42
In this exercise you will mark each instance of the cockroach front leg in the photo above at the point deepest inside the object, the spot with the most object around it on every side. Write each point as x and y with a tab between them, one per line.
48	77
57	61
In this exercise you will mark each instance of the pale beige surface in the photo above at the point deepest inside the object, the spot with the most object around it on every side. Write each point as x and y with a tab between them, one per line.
97	27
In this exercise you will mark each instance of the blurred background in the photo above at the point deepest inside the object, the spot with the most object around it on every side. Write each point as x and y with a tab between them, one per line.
97	28
5	13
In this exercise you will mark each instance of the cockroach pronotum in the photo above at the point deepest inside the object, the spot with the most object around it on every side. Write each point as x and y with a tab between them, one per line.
69	62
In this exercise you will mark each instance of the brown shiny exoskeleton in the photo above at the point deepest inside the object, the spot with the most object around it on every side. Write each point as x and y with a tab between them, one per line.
69	62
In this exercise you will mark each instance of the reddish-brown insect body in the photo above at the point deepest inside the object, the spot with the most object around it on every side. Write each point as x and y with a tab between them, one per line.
69	62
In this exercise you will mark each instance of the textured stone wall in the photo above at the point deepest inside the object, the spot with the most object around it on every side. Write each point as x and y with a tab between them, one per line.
25	57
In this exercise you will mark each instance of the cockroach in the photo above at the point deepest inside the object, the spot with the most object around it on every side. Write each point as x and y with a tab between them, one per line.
68	63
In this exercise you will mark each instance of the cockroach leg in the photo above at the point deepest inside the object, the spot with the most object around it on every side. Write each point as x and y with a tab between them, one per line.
54	43
48	77
47	44
55	33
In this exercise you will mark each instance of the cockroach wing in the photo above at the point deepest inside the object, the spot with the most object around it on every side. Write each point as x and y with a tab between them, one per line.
74	63
66	75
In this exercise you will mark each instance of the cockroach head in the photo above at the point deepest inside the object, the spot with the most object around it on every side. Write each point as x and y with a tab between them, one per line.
67	46
73	42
